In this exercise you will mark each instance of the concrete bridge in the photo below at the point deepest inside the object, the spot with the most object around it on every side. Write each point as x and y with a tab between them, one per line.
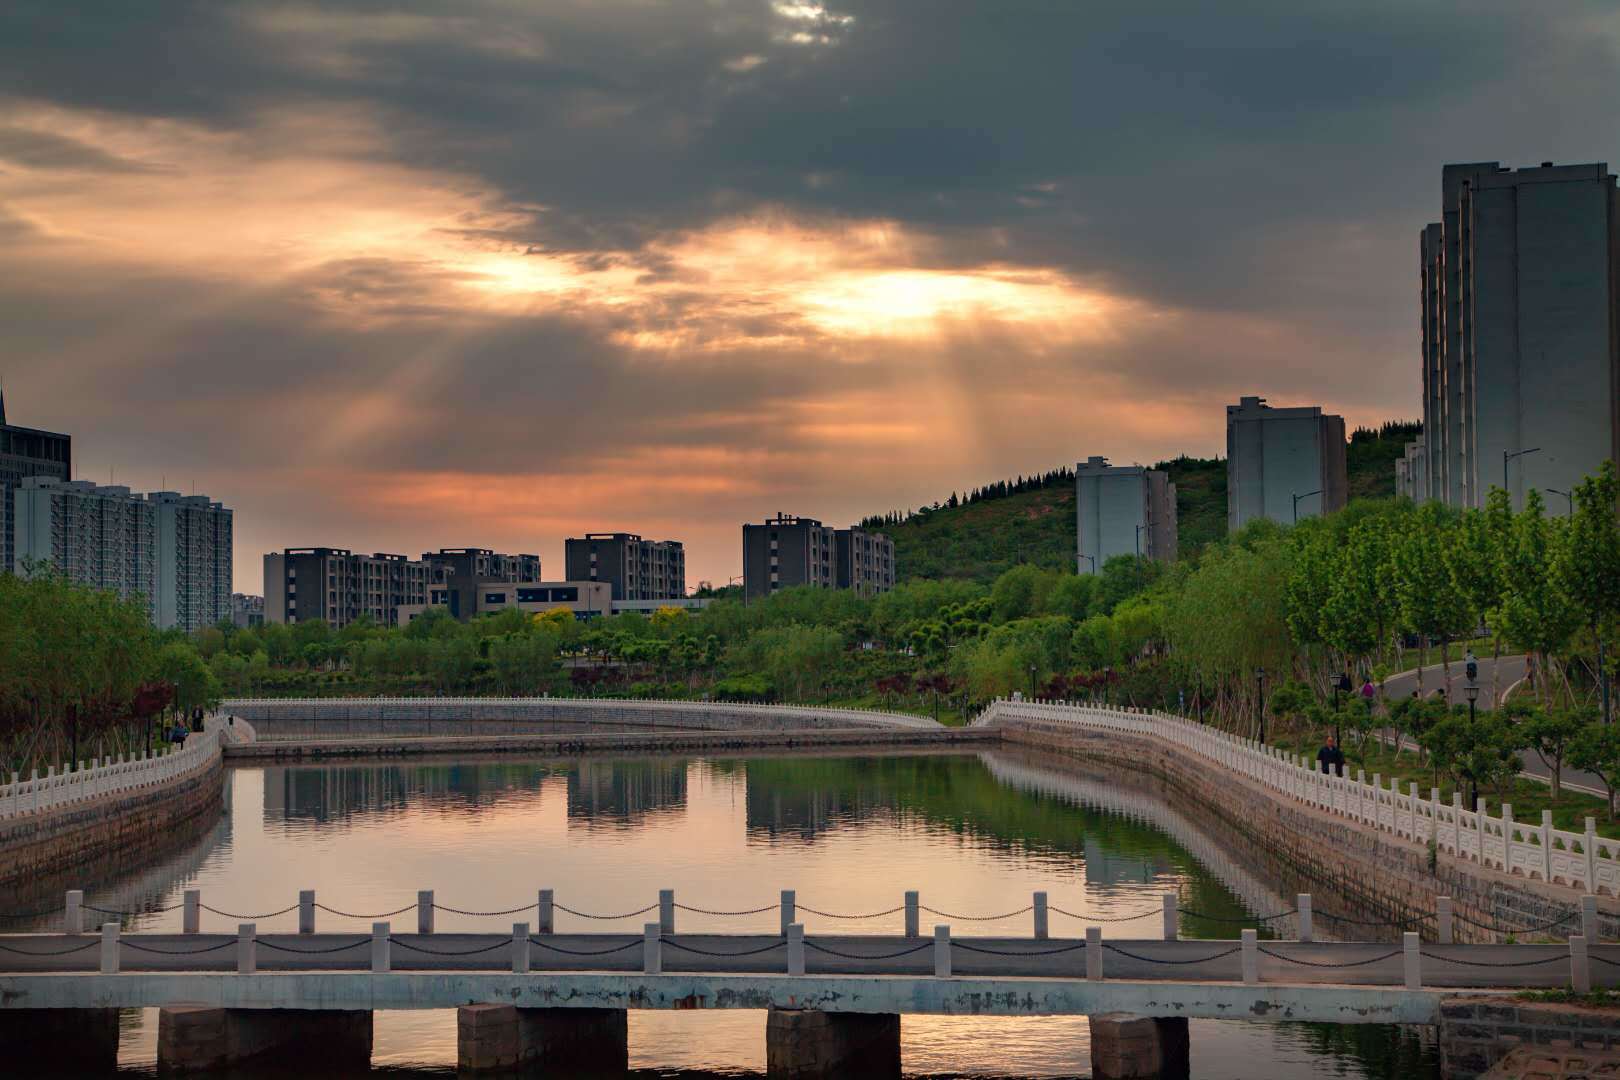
538	996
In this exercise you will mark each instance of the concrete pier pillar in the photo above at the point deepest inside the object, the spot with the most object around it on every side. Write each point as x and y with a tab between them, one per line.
500	1038
807	1044
53	1042
1129	1047
200	1038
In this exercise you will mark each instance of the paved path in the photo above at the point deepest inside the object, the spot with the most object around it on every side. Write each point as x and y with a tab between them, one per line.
1512	669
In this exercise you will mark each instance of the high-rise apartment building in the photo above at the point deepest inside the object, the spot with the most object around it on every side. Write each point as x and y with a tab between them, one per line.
1123	510
1520	301
26	452
103	537
787	551
195	553
338	586
864	561
461	570
1412	472
637	569
1282	464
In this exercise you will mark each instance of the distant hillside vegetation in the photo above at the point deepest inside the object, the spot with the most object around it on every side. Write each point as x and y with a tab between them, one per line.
1030	519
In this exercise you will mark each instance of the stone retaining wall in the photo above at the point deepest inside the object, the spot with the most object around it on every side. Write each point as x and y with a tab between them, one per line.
1348	868
1476	1033
35	847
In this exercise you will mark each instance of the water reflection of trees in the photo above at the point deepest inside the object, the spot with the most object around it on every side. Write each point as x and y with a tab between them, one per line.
625	793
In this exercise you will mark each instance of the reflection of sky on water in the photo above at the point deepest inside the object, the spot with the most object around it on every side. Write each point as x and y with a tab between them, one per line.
849	834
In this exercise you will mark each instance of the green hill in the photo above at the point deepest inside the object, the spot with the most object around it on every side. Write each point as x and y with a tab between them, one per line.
1031	520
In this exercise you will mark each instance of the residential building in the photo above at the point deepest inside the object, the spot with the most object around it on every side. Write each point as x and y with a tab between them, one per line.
174	551
1123	510
103	537
1412	472
463	570
195	558
865	561
338	586
637	569
787	551
1520	306
26	452
247	611
1282	464
586	599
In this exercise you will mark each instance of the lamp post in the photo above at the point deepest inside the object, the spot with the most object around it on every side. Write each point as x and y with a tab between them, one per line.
1341	682
1567	496
1260	680
1092	559
1471	691
1307	495
1139	529
1032	682
1509	455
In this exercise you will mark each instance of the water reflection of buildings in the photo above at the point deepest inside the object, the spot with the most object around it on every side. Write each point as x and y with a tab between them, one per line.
618	793
807	812
334	794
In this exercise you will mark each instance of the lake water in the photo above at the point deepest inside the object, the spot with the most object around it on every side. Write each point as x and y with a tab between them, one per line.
974	833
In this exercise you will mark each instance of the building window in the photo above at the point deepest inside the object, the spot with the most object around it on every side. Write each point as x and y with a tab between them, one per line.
494	598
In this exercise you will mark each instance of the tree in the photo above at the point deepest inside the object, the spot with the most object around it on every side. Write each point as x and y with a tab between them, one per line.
1474	559
1586	566
1482	751
1597	750
1550	733
1533	615
1430	604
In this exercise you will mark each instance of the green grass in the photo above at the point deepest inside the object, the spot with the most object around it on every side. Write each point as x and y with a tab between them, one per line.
978	541
1527	797
1592	999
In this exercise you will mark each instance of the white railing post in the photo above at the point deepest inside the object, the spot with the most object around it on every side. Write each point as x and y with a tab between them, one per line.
1589	846
795	949
1250	944
1589	919
942	952
1303	903
424	911
1172	917
913	928
788	909
1412	960
1546	846
1040	915
306	911
666	910
109	948
652	949
381	959
1094	969
546	912
73	912
520	948
191	912
1580	967
247	948
1442	920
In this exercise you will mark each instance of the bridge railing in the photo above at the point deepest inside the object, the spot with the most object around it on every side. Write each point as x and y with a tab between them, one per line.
877	717
1534	851
36	794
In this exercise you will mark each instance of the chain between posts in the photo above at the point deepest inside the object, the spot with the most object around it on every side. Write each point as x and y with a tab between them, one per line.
1178	963
603	918
636	944
1327	963
263	944
249	918
1026	909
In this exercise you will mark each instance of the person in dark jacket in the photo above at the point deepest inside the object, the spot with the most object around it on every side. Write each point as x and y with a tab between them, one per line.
1330	759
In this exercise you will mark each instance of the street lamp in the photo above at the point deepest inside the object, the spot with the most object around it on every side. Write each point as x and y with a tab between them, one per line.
1567	496
1509	455
1260	680
1472	693
1340	683
1032	682
1139	529
1092	559
1307	495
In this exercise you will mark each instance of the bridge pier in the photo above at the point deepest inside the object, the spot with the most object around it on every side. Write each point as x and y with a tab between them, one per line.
199	1038
501	1038
808	1044
1129	1047
48	1041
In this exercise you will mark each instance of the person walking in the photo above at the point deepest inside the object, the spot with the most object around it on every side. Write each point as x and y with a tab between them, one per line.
1330	759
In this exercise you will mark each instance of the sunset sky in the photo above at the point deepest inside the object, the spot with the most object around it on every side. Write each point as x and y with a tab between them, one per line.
397	276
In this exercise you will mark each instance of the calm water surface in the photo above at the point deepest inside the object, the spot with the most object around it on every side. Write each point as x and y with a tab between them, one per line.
976	834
